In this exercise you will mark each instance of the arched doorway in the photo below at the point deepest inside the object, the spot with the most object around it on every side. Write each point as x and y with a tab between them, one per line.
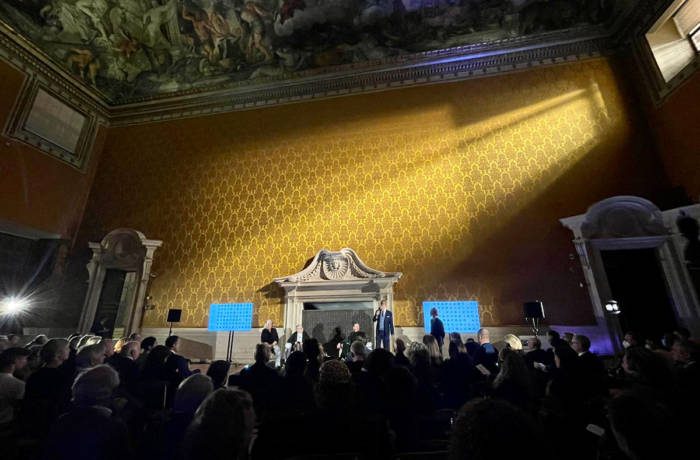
119	271
630	251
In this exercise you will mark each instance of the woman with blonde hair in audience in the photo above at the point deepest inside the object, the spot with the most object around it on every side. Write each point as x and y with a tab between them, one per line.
119	345
513	342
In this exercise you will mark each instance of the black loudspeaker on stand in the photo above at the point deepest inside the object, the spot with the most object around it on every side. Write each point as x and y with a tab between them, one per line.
534	312
174	315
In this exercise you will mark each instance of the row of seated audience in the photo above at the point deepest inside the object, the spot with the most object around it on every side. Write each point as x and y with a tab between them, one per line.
91	398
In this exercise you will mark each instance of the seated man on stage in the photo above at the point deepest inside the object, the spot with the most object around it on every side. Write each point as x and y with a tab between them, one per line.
355	335
270	337
296	340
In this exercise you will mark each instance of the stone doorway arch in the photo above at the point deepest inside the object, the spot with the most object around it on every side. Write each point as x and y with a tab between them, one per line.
124	256
630	222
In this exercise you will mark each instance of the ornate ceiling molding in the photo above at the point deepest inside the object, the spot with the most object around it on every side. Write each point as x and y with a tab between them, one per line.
448	65
446	68
24	56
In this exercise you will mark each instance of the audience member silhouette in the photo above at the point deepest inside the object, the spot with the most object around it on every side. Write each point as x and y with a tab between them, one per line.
591	368
89	430
12	360
218	372
644	428
47	392
222	428
458	375
493	429
297	391
314	355
147	345
261	381
433	347
176	365
189	396
376	409
426	393
486	355
400	358
124	363
514	381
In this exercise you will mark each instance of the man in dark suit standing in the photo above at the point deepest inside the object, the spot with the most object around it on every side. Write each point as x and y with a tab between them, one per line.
385	325
437	329
176	365
592	369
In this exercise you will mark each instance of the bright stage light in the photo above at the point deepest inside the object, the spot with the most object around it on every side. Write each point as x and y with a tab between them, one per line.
13	305
612	307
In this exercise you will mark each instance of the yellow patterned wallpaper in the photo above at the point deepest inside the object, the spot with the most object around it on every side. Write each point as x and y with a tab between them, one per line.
459	186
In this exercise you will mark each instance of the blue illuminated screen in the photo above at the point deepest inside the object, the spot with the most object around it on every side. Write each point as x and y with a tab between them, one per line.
457	316
230	316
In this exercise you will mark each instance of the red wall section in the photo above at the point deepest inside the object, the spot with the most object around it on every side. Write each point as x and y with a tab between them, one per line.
676	127
37	190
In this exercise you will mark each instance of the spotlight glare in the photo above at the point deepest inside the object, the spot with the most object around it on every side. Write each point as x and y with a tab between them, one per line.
13	305
612	307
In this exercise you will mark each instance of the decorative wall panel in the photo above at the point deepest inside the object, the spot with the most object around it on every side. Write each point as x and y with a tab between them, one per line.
36	190
458	186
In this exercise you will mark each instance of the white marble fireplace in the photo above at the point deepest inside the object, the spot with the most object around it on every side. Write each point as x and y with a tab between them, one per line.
337	277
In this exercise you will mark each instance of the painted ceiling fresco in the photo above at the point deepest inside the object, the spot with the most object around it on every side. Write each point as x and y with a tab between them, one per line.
134	49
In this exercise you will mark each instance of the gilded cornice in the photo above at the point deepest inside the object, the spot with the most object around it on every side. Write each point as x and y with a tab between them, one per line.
448	65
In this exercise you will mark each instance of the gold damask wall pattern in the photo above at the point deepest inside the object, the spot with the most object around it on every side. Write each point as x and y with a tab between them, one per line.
458	186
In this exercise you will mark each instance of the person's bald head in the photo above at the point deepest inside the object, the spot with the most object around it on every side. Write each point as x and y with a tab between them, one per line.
483	335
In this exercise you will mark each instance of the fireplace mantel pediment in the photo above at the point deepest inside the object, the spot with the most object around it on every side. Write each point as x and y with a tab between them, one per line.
328	267
335	276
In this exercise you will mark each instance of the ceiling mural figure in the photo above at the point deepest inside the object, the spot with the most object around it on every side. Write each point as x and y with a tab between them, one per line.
131	49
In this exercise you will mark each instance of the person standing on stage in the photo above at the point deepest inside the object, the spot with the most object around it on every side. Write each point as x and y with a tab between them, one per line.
270	337
437	329
385	325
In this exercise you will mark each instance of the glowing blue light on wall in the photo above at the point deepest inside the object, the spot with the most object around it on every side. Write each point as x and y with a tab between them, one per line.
230	316
457	316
